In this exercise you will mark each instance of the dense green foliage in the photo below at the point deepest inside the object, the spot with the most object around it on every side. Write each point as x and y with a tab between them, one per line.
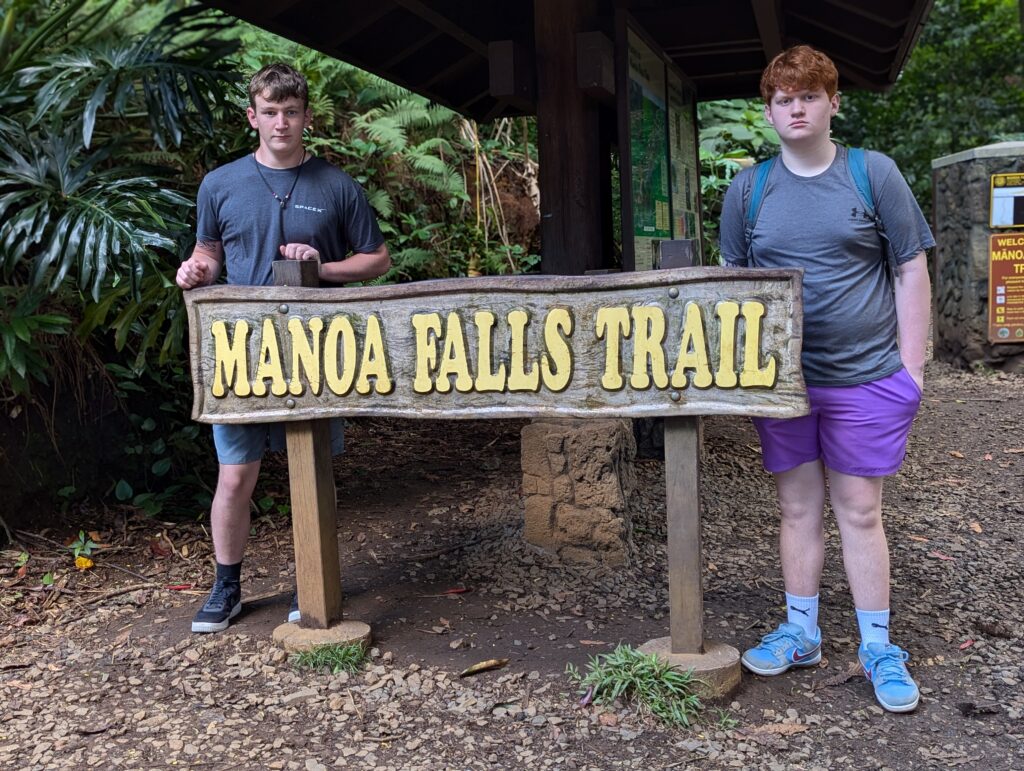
962	87
112	112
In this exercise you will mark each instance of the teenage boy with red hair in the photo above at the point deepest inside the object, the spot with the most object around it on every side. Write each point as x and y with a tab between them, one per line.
866	297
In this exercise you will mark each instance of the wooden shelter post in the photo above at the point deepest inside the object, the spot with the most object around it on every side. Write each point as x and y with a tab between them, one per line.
570	145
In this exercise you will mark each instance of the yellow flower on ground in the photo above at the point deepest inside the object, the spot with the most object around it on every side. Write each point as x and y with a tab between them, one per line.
83	563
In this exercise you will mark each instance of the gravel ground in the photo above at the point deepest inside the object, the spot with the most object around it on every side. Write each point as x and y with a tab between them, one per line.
100	671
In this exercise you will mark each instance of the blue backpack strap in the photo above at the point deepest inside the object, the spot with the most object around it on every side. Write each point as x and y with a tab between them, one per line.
857	161
761	173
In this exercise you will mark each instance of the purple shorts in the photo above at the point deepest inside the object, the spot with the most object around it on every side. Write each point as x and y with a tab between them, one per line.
859	430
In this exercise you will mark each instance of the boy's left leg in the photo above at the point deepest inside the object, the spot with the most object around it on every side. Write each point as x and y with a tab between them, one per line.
857	503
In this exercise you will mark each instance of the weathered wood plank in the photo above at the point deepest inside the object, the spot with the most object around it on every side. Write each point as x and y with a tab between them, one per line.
682	508
674	342
313	499
314	522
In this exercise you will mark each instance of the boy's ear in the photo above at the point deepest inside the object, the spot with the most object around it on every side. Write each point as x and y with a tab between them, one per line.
835	103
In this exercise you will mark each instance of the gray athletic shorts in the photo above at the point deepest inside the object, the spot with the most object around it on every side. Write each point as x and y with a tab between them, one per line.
246	443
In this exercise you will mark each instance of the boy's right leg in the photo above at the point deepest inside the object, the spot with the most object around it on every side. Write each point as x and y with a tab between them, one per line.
229	521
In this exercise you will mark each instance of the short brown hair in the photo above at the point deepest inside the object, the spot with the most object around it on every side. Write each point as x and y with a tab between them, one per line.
277	82
799	67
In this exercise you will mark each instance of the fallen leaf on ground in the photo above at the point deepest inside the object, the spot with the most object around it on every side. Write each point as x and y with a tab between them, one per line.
976	527
967	644
988	456
83	563
919	538
593	642
773	729
1016	450
608	719
852	670
483	666
940	556
956	453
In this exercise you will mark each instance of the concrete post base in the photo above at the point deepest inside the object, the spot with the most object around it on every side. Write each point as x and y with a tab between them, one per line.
294	638
718	668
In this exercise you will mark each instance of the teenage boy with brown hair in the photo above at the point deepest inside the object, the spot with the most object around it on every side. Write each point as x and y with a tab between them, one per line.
279	202
866	299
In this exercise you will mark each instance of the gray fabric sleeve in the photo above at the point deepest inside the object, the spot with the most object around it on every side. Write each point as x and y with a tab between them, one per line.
207	227
905	225
732	240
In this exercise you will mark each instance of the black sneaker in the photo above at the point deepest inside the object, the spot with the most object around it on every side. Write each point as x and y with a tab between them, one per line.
294	616
224	604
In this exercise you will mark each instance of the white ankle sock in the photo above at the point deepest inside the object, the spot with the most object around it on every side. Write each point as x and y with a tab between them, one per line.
803	611
874	626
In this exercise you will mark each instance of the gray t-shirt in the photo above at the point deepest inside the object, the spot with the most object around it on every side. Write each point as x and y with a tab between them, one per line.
819	224
327	210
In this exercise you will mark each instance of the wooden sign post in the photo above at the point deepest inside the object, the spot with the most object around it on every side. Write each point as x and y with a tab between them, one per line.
673	343
313	493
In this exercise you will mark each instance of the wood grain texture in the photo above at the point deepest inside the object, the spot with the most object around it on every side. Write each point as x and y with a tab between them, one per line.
314	522
682	507
583	297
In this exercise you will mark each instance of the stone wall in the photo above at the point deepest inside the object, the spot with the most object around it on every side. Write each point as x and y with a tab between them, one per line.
961	188
578	480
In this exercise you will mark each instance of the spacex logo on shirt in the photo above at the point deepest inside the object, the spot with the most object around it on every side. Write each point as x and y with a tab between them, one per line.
309	208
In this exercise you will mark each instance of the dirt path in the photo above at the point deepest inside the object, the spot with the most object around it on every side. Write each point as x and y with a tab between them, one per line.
101	672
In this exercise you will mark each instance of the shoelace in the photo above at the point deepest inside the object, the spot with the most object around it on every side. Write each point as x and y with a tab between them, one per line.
219	595
889	666
779	640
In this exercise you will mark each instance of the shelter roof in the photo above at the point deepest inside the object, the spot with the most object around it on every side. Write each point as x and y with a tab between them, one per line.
440	48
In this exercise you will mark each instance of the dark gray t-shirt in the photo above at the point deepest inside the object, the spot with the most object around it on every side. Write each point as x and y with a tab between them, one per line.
327	210
819	224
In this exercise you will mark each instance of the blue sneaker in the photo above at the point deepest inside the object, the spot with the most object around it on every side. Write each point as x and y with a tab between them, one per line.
884	667
786	647
223	604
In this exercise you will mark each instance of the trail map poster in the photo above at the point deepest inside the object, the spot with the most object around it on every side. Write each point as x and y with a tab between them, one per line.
683	159
648	145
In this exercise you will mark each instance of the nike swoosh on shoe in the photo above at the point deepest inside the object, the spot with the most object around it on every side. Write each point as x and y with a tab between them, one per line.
798	656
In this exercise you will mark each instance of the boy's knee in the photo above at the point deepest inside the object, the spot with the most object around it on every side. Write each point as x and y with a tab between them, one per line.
237	481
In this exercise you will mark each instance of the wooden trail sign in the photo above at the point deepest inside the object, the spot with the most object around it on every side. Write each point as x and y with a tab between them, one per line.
692	341
677	343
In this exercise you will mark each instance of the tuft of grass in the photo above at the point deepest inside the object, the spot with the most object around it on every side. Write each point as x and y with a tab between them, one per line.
332	657
657	687
725	721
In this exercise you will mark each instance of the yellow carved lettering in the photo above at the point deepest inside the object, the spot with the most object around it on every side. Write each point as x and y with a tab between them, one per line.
454	359
486	378
518	378
612	325
556	361
230	360
753	374
727	313
693	352
340	379
269	365
426	350
648	335
374	363
305	355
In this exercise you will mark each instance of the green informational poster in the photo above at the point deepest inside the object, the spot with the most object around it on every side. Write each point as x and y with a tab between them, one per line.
648	145
683	160
663	162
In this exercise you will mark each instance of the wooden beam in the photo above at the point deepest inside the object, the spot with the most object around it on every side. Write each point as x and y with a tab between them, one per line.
682	508
313	499
572	151
452	69
769	26
512	76
405	53
875	16
859	40
446	25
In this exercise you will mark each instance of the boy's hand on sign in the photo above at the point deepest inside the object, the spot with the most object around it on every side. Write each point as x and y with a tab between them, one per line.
193	272
299	252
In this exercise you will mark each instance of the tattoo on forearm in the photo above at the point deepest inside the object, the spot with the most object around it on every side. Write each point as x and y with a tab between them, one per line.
212	246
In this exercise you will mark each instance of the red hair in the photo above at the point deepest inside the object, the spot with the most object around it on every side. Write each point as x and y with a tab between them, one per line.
798	68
